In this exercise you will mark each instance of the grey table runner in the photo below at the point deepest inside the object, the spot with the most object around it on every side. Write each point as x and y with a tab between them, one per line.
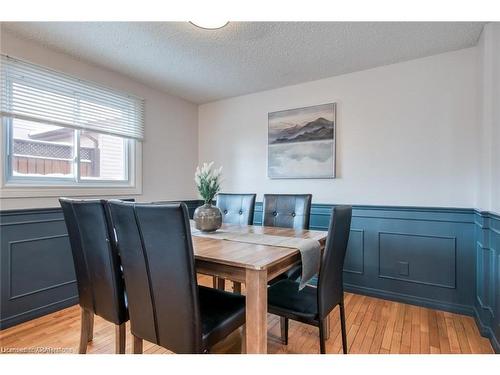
310	250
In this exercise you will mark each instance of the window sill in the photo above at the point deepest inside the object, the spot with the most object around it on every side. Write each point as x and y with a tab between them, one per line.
20	191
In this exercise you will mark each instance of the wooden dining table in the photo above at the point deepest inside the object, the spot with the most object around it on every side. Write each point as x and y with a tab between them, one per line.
253	265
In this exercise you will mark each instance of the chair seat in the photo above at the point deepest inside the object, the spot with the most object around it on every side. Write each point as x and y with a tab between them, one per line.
221	313
285	299
292	274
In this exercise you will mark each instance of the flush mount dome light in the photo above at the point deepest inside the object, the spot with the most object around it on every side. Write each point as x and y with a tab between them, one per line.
209	24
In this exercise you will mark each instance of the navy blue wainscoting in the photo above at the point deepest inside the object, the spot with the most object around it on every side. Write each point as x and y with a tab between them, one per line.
436	257
36	274
487	303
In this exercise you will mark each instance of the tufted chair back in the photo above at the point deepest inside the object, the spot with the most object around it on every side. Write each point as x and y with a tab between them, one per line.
287	210
236	208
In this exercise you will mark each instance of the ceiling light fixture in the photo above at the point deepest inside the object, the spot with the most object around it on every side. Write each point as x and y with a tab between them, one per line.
209	24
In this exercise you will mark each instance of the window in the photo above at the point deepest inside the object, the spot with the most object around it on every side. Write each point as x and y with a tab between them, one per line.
42	151
102	156
33	153
61	130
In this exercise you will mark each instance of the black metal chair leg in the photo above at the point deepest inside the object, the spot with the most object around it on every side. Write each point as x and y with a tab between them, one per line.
322	348
342	327
284	330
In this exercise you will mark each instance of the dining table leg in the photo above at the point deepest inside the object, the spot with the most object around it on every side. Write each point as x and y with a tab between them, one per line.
256	311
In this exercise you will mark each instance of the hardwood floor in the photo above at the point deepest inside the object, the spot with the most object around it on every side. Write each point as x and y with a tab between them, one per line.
373	326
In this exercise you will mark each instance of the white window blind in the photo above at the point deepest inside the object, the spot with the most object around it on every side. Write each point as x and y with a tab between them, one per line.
34	93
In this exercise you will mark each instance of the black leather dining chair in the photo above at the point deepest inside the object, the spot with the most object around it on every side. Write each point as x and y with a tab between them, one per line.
166	305
97	268
312	305
287	211
235	209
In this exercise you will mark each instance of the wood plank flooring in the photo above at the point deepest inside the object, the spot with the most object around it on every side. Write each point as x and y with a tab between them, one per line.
373	326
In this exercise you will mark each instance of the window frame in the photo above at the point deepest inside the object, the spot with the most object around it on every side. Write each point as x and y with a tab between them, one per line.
75	179
45	189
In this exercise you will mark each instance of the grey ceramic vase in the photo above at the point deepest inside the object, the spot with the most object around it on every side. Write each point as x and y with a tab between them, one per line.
207	218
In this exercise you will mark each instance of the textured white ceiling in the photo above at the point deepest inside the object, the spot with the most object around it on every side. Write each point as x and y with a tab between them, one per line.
206	65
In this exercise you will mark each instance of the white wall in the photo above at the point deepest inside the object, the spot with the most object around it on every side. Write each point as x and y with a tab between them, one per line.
407	134
495	136
170	149
488	197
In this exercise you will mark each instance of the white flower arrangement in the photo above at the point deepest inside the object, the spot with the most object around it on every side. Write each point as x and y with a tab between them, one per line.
208	181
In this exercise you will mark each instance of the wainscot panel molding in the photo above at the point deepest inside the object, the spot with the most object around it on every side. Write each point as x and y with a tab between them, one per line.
487	302
443	258
418	249
36	274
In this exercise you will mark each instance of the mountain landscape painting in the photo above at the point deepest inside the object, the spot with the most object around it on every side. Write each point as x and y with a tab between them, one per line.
301	142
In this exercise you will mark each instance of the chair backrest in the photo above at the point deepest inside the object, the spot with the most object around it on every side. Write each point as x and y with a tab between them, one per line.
287	210
97	263
236	208
156	249
330	287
